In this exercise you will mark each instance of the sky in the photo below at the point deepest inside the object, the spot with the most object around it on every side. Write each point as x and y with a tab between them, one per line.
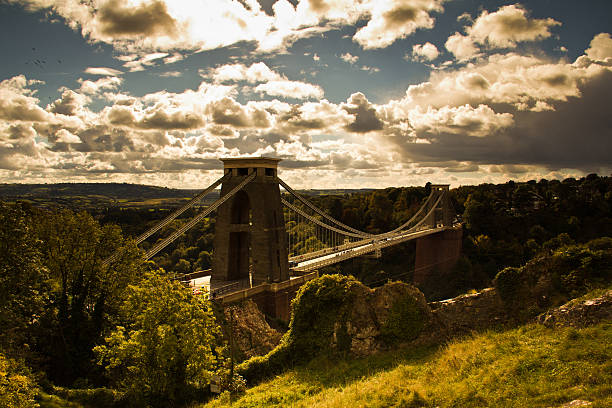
349	94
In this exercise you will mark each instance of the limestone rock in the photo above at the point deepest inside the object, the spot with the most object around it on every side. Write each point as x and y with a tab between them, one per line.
577	403
579	314
252	334
370	311
466	313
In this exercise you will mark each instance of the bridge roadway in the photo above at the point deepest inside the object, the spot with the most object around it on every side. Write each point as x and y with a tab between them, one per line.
308	262
329	256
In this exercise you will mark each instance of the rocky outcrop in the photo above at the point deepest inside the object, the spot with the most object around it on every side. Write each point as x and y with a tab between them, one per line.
466	313
371	312
577	403
579	313
251	333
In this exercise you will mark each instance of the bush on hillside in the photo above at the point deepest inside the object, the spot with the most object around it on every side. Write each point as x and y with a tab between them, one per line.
552	279
318	307
405	321
17	387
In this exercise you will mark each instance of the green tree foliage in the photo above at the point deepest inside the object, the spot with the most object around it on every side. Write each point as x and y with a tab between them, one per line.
85	292
405	321
523	220
23	279
166	347
17	387
380	211
553	278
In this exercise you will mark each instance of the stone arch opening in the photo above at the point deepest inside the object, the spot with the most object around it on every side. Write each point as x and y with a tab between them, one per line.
241	209
240	237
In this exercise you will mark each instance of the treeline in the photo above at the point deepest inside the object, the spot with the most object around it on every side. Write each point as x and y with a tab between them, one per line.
75	327
504	225
509	224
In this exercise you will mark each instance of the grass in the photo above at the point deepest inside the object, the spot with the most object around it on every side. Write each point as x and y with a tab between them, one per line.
531	366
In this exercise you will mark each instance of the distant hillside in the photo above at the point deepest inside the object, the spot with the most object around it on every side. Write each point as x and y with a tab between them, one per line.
97	195
103	195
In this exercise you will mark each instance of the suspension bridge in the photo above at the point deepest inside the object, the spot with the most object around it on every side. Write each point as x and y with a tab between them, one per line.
267	245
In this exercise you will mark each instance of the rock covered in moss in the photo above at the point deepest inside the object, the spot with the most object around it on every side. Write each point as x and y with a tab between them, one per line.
338	315
390	314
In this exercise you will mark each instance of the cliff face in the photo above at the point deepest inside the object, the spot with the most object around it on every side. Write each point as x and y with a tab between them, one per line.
371	320
466	313
377	319
252	335
391	313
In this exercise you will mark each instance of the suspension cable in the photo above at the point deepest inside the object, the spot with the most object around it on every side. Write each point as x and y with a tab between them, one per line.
161	245
181	210
316	221
320	212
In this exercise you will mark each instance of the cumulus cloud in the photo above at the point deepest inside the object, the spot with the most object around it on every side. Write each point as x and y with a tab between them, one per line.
351	59
520	81
392	20
369	69
271	82
116	19
64	136
480	122
257	72
503	28
17	102
70	104
313	116
94	87
504	110
153	26
291	89
507	109
229	112
601	48
366	119
461	46
508	26
104	71
425	52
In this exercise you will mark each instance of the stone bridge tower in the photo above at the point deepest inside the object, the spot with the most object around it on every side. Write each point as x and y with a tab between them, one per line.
250	227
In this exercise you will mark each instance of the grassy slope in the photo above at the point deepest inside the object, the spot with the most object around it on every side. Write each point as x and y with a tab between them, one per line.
532	366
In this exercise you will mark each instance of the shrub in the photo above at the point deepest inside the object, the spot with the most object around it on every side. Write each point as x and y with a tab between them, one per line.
319	306
17	387
566	273
404	322
508	283
93	397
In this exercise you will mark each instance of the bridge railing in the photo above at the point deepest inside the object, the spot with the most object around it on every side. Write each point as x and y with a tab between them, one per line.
229	288
367	248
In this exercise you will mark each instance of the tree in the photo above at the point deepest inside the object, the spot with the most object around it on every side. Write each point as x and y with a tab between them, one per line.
23	278
167	345
182	267
380	211
204	260
84	290
17	387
